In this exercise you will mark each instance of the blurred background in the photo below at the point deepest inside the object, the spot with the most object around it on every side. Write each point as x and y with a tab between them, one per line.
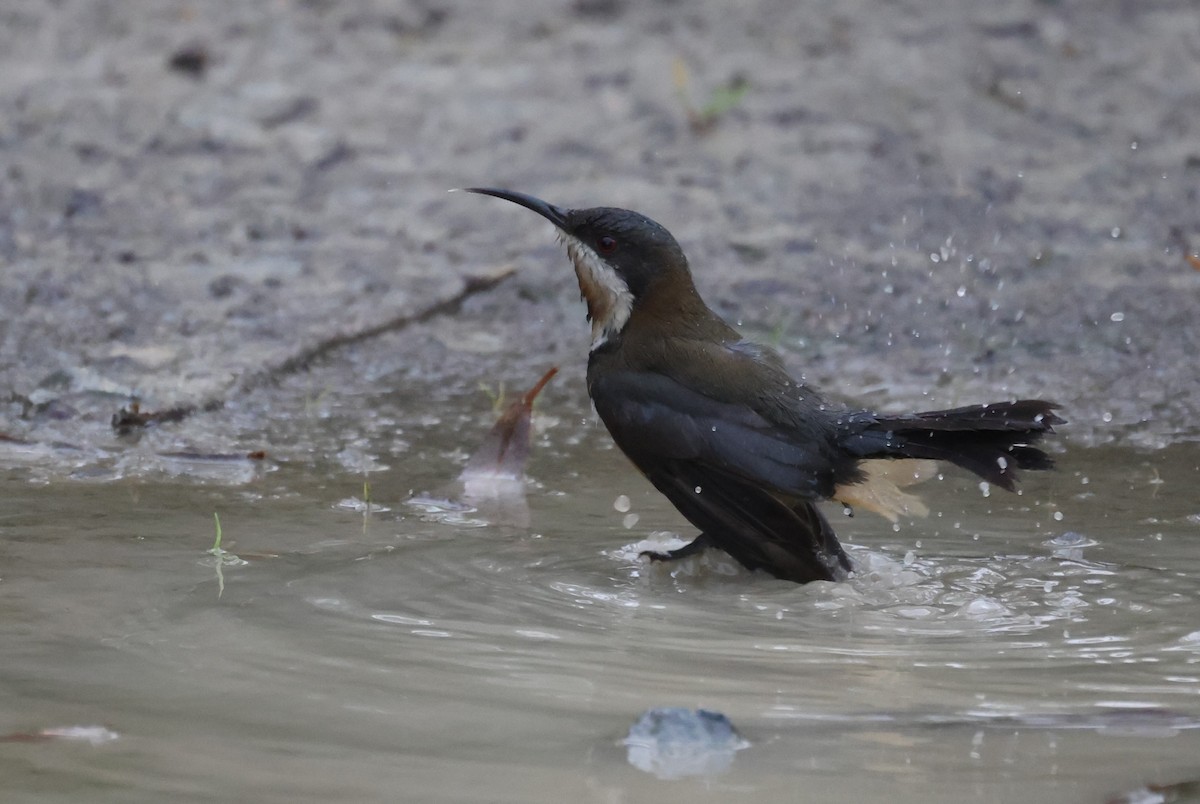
226	225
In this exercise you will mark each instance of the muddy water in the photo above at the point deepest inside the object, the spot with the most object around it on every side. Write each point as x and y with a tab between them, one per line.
1032	648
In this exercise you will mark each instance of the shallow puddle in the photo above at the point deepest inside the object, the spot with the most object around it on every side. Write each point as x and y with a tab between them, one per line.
1007	648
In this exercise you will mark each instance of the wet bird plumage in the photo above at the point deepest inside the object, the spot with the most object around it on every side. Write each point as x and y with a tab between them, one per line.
719	427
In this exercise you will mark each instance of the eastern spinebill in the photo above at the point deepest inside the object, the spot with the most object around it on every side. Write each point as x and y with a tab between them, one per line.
716	423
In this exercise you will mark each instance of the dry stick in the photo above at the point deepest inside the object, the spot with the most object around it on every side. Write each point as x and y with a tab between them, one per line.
130	418
322	349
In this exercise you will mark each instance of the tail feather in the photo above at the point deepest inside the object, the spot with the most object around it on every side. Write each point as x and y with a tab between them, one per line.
993	441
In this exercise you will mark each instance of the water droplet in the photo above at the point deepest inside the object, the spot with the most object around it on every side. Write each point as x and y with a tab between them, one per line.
630	520
1115	232
1002	462
622	503
697	489
1058	516
985	488
962	291
1133	145
1107	416
1117	317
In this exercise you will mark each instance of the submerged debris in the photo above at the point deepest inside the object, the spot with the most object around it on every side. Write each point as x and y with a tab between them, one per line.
1161	794
674	742
216	457
236	468
96	735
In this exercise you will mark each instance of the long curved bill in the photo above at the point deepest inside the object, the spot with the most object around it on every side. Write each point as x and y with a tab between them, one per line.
556	215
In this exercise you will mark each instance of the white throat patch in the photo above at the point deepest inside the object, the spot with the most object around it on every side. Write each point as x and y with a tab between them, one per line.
609	301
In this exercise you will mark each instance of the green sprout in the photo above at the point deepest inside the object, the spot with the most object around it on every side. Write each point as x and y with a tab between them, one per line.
223	557
216	548
496	396
366	501
702	119
220	554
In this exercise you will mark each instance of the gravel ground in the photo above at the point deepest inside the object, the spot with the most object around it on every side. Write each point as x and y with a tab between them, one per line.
920	203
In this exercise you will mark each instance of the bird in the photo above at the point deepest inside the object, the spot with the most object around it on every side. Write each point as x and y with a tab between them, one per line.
716	423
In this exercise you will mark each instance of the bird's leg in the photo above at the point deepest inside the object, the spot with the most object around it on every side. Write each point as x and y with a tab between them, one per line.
696	545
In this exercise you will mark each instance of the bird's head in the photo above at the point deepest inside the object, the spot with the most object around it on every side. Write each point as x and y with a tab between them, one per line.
621	258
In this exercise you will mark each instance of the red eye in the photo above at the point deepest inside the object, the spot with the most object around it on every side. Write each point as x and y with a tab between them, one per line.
606	244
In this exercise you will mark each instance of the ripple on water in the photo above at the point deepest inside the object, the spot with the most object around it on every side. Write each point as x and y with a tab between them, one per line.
568	612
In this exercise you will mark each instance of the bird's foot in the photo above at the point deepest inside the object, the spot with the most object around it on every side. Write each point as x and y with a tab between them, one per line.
695	546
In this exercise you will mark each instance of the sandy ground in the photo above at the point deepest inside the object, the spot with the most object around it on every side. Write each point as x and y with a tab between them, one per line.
974	200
